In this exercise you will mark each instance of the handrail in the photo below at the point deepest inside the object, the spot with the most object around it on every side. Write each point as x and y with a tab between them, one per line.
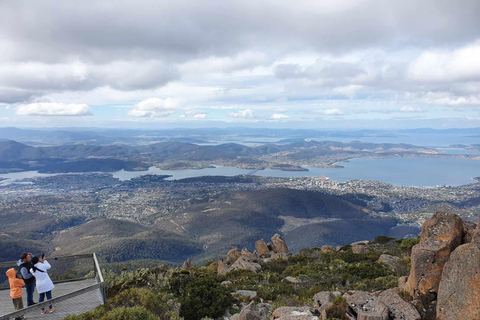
7	264
97	266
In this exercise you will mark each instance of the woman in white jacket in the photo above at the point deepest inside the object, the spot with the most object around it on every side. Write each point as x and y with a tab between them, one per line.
44	283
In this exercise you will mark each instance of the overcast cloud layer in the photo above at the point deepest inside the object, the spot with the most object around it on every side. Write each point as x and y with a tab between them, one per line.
267	63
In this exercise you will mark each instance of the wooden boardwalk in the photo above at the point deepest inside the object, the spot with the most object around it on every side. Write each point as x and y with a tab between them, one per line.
75	304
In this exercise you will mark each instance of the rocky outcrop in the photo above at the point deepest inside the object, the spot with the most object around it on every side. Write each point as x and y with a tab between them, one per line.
326	249
323	301
243	264
261	247
459	290
295	313
187	264
469	229
398	309
438	238
233	255
279	245
254	312
393	263
365	306
359	247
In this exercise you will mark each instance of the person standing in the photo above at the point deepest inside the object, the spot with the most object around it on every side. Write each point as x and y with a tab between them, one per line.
16	285
25	265
44	283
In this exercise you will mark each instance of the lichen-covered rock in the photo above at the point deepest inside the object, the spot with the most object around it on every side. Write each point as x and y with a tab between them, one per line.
360	247
326	249
221	267
398	308
402	281
438	238
246	253
295	313
459	291
293	280
250	294
322	299
187	264
393	263
244	264
254	312
366	306
469	229
233	255
279	245
261	247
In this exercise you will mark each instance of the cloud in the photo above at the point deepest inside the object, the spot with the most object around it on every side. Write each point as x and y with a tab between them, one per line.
330	112
279	116
411	109
53	109
246	114
154	107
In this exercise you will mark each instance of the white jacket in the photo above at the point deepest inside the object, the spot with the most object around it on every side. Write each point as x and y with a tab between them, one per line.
44	283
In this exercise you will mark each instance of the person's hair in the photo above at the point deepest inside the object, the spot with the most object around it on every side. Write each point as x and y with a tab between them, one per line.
34	261
23	256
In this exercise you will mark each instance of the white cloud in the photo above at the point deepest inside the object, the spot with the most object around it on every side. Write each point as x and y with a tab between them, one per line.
247	114
278	116
331	112
411	109
53	109
462	64
154	107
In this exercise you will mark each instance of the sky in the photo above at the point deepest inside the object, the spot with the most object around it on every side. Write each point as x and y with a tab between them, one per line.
280	64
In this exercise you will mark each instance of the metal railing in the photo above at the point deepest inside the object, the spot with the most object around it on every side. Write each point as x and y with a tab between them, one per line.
67	269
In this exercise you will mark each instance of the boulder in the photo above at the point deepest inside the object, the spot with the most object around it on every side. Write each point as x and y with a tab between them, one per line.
254	312
438	238
262	248
323	300
366	306
359	247
233	255
226	283
459	289
402	281
293	280
469	229
221	267
243	263
393	263
187	264
295	313
398	308
246	253
250	294
326	249
279	245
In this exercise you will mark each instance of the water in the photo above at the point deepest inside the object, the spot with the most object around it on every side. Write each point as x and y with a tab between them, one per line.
425	172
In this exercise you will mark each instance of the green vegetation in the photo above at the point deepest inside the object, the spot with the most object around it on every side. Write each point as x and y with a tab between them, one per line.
157	293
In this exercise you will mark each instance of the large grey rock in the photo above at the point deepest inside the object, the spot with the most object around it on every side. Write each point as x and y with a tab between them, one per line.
398	308
393	263
279	245
233	255
250	294
295	313
366	306
262	248
323	300
439	237
469	229
243	264
459	290
360	247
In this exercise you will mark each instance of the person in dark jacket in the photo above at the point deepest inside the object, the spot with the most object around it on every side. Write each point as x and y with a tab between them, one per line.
25	265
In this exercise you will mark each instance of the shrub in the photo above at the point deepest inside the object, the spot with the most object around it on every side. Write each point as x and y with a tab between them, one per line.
409	243
135	313
382	239
204	297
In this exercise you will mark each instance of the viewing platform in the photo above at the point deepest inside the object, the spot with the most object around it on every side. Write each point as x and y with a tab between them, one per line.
79	287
